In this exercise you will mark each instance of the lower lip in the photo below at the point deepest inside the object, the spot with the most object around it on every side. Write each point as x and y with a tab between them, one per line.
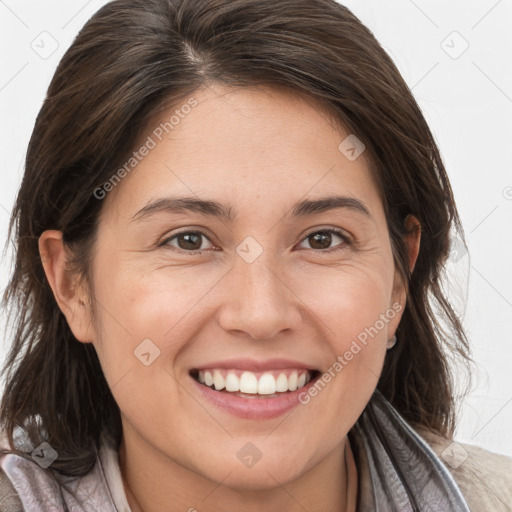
254	408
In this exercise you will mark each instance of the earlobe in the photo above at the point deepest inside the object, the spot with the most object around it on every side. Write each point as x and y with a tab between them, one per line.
70	298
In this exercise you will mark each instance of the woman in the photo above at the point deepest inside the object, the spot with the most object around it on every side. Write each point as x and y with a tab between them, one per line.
232	221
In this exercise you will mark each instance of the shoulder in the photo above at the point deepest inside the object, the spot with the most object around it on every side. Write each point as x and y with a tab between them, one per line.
26	484
9	500
484	477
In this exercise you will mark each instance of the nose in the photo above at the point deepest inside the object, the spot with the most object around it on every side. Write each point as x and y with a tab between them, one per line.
259	301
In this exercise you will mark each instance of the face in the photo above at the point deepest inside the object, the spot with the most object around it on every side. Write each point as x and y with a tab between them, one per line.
273	289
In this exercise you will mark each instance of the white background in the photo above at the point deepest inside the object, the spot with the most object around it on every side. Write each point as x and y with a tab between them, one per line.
466	99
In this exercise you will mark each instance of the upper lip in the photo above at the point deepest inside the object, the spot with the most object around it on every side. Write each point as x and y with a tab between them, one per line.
253	365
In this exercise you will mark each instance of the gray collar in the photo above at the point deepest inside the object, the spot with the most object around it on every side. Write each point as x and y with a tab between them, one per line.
397	469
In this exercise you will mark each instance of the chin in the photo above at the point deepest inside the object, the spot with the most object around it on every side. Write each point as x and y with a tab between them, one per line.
261	477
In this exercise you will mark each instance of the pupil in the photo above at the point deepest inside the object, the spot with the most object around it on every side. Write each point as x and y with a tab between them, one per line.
321	235
189	241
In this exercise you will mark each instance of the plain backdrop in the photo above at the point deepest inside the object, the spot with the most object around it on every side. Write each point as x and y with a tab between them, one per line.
457	59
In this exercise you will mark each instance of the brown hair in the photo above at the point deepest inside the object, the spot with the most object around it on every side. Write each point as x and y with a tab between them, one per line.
132	60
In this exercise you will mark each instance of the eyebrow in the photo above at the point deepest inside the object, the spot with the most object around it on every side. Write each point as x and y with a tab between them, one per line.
215	209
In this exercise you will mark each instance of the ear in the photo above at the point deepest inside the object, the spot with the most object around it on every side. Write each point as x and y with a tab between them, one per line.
71	298
412	240
413	237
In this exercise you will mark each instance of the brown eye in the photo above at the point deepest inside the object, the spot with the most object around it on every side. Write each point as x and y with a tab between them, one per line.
190	241
322	239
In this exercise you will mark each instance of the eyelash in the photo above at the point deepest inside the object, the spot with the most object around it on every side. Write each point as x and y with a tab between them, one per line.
341	234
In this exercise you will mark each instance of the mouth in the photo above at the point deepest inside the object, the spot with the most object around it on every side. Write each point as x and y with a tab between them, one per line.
249	384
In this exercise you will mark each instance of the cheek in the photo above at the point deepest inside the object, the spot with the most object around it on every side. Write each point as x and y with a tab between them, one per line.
146	317
140	300
352	307
348	299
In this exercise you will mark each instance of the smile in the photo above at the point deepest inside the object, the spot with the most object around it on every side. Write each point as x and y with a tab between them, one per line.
243	382
253	390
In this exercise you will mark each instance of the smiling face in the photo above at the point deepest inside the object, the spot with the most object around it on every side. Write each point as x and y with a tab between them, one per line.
277	284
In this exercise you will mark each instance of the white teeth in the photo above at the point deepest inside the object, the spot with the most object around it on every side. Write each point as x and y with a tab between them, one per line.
218	380
249	383
292	381
232	382
266	384
282	383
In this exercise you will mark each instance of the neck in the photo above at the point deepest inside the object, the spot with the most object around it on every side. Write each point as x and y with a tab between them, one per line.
154	482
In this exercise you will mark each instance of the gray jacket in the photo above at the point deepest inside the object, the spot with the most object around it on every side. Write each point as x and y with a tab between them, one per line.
399	470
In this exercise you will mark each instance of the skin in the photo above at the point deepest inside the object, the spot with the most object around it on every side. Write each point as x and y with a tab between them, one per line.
259	150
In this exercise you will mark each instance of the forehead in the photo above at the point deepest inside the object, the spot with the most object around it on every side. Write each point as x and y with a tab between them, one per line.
268	145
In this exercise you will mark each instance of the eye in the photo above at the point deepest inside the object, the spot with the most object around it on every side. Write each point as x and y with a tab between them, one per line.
191	241
321	239
188	241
